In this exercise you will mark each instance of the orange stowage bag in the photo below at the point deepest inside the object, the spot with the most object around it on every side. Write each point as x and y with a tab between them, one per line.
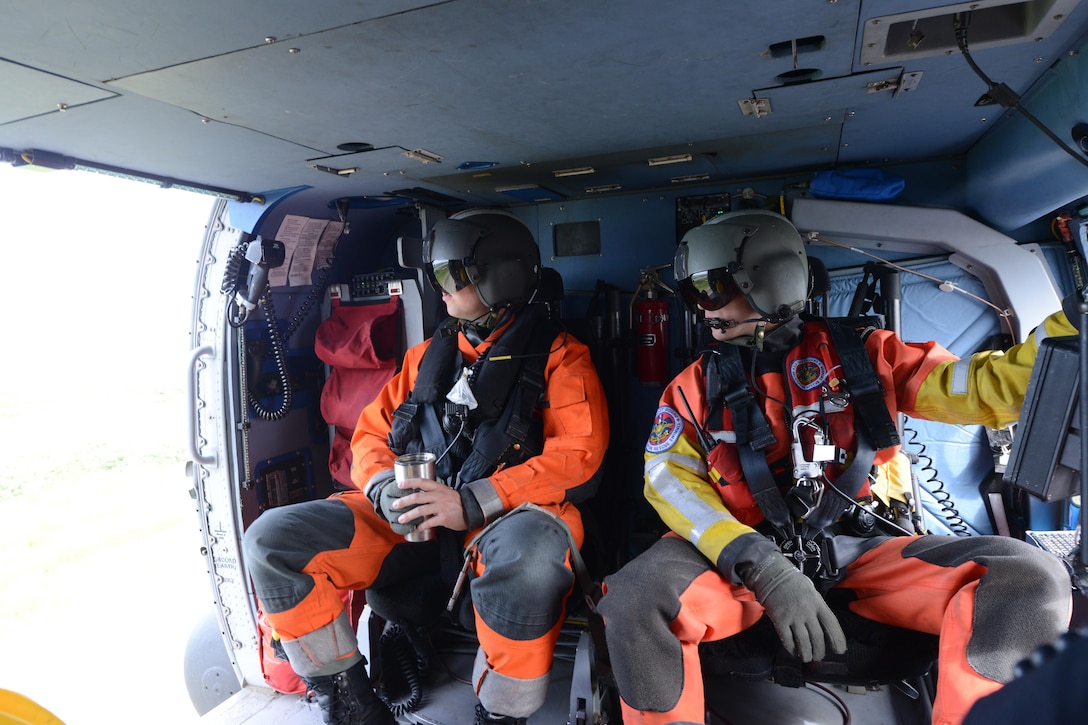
274	665
359	343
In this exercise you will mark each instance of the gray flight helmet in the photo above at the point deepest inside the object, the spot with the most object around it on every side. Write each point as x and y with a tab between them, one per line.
500	254
762	251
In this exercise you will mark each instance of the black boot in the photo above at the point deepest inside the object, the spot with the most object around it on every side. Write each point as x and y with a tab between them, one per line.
483	717
347	698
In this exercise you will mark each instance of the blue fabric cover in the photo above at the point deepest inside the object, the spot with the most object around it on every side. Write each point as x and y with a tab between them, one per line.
856	185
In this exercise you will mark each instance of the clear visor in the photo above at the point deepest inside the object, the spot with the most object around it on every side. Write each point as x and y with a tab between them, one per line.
710	290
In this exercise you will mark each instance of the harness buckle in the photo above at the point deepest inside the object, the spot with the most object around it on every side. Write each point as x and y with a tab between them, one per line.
803	553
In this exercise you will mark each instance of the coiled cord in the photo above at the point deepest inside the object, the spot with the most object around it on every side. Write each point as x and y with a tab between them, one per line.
397	645
279	355
235	259
317	290
935	486
236	315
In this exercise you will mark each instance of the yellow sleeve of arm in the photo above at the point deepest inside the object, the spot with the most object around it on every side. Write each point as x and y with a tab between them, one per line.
987	388
678	487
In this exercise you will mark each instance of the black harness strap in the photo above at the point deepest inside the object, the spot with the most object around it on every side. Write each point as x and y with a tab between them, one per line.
876	430
866	392
437	366
730	387
508	386
516	434
849	482
503	429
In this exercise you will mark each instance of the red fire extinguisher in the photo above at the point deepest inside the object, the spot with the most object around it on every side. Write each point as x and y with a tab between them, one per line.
650	318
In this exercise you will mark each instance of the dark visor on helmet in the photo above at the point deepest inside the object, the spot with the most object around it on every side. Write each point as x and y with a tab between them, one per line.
450	275
710	290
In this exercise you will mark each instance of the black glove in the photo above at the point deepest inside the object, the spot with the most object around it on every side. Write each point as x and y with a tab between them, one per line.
390	493
1071	308
799	614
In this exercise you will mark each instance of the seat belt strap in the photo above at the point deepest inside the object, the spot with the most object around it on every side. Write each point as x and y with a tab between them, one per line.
866	392
753	435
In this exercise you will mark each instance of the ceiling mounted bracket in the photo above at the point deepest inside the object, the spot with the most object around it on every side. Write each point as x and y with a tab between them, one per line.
758	107
904	82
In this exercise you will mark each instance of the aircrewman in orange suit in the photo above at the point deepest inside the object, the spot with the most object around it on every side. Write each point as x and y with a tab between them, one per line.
756	458
513	411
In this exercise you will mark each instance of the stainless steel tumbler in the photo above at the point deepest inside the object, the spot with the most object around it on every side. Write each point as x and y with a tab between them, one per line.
415	465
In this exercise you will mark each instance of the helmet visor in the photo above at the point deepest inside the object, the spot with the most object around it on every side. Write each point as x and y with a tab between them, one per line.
711	290
450	275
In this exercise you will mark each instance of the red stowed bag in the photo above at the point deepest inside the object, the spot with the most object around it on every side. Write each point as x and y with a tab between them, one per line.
359	343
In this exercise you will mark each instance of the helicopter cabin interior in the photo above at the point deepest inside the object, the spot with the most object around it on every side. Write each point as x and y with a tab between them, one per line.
933	154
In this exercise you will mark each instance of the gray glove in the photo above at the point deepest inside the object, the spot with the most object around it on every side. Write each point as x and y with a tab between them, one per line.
389	494
374	491
798	612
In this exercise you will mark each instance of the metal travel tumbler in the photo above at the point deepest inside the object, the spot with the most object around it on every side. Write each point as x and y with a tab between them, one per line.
415	465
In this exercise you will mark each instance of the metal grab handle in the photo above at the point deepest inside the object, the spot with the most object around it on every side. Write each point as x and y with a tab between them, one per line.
190	391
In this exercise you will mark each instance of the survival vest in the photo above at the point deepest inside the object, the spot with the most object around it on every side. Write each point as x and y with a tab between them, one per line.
829	357
508	383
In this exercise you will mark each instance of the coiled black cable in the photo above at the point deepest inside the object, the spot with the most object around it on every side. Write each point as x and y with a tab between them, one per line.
236	317
236	259
398	649
279	355
935	486
316	291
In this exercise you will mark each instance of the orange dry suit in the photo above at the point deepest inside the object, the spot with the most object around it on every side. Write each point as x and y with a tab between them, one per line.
686	589
519	564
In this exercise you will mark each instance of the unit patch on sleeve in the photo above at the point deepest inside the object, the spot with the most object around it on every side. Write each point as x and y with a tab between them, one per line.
668	425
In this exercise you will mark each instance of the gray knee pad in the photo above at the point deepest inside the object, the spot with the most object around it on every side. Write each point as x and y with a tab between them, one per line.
1022	600
646	656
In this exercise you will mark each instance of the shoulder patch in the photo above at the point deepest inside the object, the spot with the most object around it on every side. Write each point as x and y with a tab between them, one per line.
808	372
668	425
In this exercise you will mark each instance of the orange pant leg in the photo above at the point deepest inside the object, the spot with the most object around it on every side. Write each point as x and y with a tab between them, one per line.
991	600
338	559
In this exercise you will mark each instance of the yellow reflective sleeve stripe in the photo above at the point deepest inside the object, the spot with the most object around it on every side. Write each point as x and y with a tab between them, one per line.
960	372
678	489
1055	325
696	514
1040	335
693	463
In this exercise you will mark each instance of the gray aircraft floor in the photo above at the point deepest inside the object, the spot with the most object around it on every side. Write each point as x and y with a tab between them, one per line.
447	693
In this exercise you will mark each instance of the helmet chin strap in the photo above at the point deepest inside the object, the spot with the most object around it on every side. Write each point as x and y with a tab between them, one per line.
479	329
